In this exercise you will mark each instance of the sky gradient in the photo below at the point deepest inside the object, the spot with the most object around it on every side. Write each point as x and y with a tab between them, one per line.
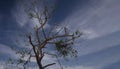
99	20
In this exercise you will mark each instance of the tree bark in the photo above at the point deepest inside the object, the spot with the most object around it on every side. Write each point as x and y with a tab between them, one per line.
40	66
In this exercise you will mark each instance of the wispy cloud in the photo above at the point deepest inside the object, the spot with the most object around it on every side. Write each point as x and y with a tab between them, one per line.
101	20
97	44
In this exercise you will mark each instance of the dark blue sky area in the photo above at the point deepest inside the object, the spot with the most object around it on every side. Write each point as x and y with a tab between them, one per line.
8	25
5	12
6	5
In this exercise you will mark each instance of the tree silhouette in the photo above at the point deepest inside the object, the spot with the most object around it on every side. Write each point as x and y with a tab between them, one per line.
41	38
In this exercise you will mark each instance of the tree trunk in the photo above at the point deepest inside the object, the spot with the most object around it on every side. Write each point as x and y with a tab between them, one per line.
40	66
39	62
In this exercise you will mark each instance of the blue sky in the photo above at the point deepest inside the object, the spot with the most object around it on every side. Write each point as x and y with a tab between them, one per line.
98	47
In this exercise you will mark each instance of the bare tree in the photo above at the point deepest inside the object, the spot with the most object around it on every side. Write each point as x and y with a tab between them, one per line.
41	38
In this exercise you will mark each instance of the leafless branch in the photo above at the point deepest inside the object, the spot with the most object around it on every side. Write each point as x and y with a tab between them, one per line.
56	58
30	41
48	65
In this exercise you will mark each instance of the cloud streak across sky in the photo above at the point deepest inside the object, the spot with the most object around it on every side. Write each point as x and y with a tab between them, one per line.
98	20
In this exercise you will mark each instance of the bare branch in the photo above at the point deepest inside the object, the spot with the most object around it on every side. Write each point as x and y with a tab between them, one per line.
30	41
36	54
48	65
56	58
58	31
42	23
37	35
52	38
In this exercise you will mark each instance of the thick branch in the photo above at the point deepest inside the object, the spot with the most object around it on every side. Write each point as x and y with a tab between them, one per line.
48	65
36	55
